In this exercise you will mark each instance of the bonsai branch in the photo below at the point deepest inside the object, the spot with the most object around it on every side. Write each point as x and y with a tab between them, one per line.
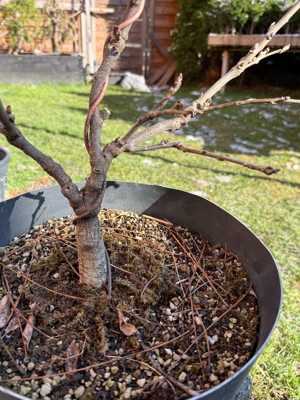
284	99
164	144
15	137
150	114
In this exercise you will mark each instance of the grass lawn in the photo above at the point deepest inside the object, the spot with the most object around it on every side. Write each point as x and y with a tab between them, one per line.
52	118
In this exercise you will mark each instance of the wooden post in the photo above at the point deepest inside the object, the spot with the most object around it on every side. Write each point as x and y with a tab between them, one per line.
83	39
89	43
143	42
225	67
94	39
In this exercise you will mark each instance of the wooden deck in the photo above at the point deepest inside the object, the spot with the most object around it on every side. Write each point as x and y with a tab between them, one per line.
238	42
230	43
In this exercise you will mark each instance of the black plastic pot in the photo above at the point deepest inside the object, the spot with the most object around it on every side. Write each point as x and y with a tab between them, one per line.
19	214
4	160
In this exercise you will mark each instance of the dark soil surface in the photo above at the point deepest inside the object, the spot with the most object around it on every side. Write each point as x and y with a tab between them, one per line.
169	287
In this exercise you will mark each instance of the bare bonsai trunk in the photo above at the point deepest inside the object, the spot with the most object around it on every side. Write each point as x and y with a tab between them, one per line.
91	251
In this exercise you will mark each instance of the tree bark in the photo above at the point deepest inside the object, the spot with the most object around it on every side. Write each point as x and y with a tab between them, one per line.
91	251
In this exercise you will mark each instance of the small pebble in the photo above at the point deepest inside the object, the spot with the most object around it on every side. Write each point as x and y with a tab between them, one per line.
182	377
128	379
25	390
93	373
45	389
114	369
169	352
106	375
79	392
127	393
213	378
137	373
141	382
215	337
161	361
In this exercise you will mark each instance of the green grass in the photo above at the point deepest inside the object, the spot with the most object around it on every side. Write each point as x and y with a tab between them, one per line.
52	118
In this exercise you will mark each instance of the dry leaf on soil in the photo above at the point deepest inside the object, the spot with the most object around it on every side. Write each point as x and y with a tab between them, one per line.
72	357
27	333
252	292
127	329
4	311
13	325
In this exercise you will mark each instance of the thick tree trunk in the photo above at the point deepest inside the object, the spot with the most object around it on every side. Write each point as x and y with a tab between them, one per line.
91	251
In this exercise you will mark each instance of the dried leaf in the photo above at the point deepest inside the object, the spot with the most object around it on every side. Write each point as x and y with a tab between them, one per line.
27	333
4	311
127	329
252	292
72	357
13	325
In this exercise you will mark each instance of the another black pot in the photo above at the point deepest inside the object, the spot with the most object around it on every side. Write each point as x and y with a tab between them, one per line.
19	214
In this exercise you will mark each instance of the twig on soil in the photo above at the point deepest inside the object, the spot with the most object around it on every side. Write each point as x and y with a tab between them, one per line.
152	279
145	241
18	313
157	220
102	363
43	287
206	338
7	290
210	280
127	272
194	325
211	325
12	359
186	389
146	320
179	281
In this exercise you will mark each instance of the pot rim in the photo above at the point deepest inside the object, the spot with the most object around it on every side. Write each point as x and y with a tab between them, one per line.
257	353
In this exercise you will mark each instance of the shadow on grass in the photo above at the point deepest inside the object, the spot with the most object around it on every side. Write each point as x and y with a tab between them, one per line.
221	172
63	133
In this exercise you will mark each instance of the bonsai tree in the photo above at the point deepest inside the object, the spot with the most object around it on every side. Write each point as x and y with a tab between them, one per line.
86	203
57	25
17	16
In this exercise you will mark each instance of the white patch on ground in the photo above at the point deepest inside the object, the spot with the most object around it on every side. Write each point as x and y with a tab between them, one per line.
224	178
145	109
200	193
149	162
268	116
242	149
